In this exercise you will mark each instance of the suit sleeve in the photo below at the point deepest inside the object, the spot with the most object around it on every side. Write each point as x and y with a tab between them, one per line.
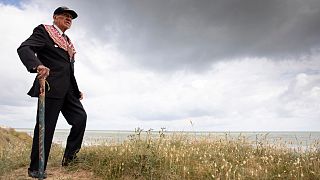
28	49
76	90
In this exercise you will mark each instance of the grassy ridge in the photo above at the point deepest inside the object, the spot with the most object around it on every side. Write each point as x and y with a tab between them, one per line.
14	149
185	157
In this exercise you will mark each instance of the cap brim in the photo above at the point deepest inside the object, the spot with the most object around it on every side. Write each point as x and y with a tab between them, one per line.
72	13
69	11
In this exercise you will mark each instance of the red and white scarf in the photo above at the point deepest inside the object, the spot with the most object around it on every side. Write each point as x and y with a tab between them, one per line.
60	40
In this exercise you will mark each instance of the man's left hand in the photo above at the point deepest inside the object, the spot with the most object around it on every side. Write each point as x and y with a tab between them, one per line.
81	96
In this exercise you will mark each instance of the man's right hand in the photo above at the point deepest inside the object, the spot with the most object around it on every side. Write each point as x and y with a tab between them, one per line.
43	72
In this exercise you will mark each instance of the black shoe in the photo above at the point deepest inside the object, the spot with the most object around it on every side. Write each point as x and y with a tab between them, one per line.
35	174
67	161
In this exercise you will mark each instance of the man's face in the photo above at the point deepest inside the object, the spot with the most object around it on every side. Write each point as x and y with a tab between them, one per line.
63	21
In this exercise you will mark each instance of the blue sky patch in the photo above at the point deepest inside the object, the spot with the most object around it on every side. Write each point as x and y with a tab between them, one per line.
11	2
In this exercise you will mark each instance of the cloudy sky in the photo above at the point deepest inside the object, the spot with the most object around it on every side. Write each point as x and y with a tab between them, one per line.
224	65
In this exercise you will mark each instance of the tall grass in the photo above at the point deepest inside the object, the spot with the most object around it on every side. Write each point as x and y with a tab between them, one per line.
14	150
150	155
181	156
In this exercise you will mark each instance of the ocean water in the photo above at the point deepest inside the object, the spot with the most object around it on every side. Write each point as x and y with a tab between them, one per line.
297	139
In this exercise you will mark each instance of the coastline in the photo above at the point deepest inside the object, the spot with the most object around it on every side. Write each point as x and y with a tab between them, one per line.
293	139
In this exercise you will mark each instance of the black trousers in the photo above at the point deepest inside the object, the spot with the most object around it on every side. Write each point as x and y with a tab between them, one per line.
74	113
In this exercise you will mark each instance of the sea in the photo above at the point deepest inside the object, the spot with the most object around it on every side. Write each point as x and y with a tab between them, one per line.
296	139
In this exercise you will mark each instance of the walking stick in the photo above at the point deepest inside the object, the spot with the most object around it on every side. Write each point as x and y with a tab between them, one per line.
41	106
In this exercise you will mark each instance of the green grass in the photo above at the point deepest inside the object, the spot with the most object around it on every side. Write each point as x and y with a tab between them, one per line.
182	156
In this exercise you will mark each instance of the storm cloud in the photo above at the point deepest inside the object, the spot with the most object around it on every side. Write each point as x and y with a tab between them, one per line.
189	34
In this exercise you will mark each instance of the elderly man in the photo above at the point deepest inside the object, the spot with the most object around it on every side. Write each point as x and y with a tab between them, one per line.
50	53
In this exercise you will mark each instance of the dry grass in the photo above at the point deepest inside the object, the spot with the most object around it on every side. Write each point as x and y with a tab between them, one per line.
14	149
182	156
186	157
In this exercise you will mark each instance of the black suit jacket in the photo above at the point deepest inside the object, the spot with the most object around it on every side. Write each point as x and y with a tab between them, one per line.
40	49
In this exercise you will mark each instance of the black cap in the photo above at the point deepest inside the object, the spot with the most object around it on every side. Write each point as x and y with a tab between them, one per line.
63	9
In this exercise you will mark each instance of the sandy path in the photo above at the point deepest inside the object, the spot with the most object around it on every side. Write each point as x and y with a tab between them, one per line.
53	173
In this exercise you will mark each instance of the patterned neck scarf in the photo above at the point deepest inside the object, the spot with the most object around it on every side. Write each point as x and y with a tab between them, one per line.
61	41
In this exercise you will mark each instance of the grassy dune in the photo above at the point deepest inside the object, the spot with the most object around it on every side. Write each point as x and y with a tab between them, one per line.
186	157
14	149
183	157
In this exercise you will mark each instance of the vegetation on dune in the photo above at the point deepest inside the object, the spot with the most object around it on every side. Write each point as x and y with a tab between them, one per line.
14	149
186	157
182	156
